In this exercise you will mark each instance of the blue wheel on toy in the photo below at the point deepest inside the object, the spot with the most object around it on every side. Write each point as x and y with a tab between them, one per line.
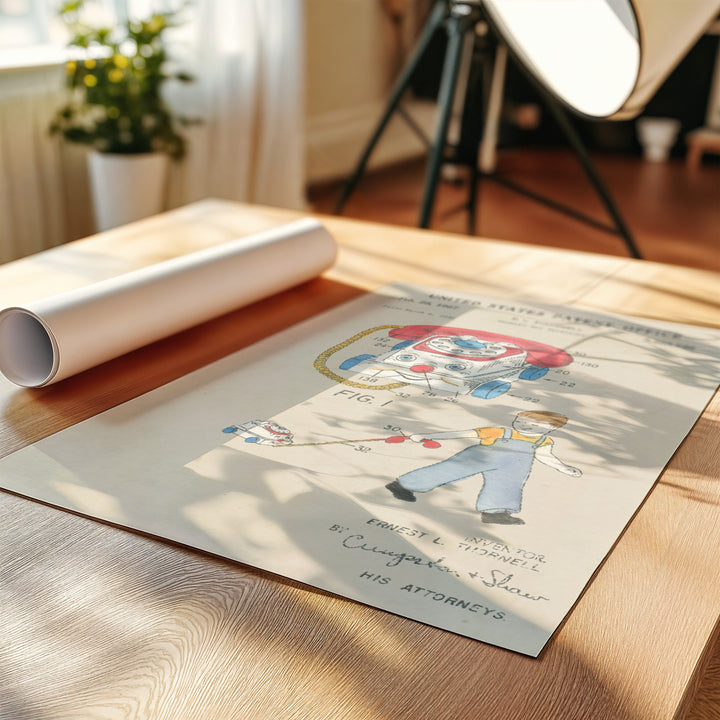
402	344
230	429
353	361
533	373
491	389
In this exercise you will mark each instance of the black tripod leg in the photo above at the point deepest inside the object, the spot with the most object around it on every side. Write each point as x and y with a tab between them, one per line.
473	192
475	125
577	145
434	21
456	27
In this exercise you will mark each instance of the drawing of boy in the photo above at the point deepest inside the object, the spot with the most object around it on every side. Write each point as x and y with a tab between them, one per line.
504	457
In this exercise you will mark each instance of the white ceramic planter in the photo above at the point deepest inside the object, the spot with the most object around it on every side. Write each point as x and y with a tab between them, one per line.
126	187
657	135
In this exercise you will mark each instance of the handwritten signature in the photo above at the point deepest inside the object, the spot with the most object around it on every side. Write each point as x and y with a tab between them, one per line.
356	542
497	579
501	580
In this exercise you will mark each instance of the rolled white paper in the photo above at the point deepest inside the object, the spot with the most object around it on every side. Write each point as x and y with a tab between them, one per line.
50	339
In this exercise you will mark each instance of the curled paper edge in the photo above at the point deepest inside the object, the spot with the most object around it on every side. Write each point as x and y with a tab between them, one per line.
50	339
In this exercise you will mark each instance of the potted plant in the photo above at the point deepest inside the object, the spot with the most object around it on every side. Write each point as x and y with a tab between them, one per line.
115	106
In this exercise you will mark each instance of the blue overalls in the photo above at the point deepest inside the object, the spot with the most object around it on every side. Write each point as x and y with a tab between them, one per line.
505	466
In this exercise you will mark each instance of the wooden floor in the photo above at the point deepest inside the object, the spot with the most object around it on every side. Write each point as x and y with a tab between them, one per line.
673	213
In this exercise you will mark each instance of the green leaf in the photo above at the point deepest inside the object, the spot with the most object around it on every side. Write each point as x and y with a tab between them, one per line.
118	106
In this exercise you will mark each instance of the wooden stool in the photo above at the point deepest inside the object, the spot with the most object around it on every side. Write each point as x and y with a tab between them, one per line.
701	141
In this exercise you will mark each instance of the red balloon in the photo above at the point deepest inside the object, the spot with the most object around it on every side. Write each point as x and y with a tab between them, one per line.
431	443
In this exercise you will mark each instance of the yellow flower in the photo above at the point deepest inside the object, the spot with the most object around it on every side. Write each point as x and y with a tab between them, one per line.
120	61
89	63
90	80
155	24
71	67
115	75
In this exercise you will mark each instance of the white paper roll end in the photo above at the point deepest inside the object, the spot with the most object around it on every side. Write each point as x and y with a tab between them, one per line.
28	352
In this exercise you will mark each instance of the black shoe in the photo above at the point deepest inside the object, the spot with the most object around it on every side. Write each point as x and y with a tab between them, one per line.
501	518
400	492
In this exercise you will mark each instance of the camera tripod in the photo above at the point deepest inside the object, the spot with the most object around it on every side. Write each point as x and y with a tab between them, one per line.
460	18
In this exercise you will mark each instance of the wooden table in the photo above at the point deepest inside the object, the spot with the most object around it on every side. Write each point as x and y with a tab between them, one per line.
98	622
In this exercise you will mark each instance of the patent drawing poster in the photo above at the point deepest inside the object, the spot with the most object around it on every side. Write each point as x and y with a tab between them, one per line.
465	462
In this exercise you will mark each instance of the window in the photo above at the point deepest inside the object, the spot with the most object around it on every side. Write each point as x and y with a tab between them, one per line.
23	23
31	33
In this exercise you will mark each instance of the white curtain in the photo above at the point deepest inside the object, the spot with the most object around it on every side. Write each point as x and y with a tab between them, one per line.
32	207
248	60
249	144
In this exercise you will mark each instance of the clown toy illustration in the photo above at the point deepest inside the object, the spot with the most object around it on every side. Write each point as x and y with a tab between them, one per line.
448	359
502	456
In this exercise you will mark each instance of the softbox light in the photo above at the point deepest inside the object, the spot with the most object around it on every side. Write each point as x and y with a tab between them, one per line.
602	58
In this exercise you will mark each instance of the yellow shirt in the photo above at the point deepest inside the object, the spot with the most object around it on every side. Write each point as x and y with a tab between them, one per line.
489	435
